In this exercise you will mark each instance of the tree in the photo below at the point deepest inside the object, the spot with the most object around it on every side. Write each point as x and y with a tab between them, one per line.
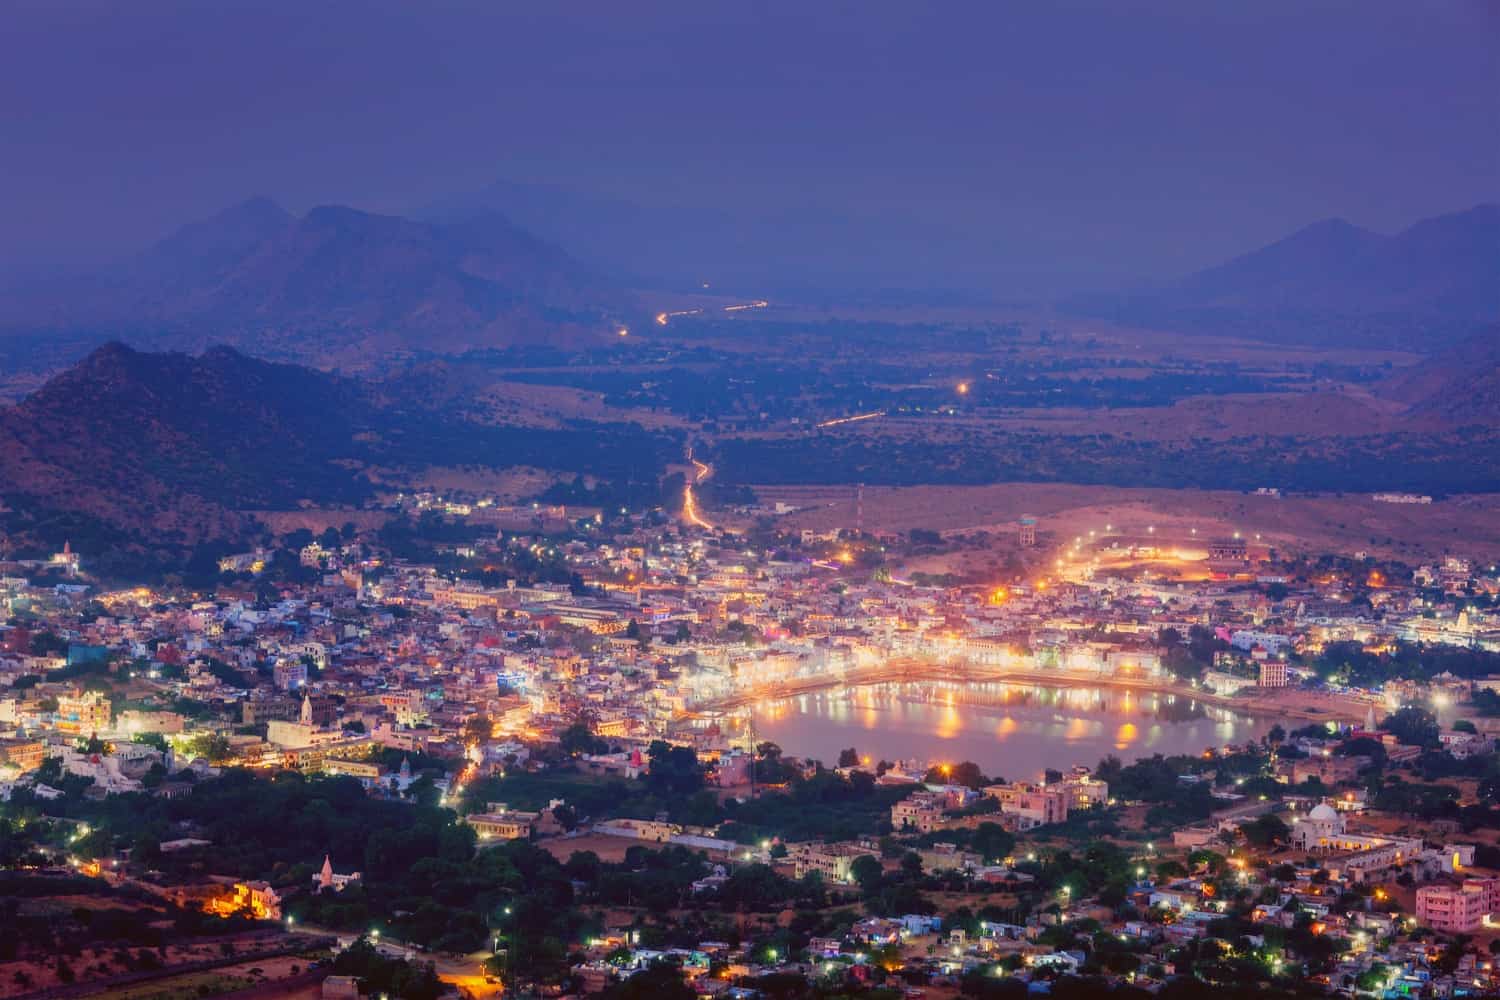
967	774
675	772
1412	726
213	747
579	738
867	872
566	816
992	841
1264	831
477	729
659	981
849	757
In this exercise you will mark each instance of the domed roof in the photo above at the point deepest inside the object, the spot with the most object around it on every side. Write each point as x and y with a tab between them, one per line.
1323	811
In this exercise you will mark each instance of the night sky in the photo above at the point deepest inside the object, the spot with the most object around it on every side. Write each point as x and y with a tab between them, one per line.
1013	147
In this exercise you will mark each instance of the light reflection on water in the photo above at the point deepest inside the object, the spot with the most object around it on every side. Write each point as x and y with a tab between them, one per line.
1015	731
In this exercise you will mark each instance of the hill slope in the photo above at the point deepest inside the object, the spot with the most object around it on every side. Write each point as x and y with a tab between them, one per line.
1459	387
334	285
1334	283
170	449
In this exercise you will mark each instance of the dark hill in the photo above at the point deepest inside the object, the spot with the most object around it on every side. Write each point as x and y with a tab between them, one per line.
166	449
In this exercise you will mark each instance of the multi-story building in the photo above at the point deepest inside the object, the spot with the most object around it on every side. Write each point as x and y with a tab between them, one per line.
833	861
1458	909
1273	674
22	754
83	713
289	674
1036	804
1085	792
921	811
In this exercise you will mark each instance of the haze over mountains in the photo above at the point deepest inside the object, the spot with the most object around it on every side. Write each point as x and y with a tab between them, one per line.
334	284
341	286
1334	283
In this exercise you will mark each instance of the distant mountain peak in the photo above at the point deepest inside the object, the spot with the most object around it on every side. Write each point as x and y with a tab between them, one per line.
1334	282
338	282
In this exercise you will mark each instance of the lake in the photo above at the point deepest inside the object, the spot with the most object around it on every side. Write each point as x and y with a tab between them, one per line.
1010	730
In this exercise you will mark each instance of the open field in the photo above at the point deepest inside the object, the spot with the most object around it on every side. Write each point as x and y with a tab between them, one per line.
1346	524
189	968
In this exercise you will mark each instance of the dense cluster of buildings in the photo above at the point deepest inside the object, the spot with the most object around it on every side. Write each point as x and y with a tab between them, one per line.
367	653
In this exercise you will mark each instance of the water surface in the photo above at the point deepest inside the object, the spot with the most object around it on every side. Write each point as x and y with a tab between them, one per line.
1010	730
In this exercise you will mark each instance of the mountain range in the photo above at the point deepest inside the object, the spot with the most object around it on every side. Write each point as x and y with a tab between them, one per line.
343	287
336	284
1336	284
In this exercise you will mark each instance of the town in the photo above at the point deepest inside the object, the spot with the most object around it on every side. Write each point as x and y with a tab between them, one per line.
514	748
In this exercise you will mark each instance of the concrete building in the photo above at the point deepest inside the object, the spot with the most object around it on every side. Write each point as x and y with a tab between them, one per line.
1273	674
499	822
1036	804
1458	909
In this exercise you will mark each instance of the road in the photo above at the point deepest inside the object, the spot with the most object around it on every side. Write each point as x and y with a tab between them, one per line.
702	471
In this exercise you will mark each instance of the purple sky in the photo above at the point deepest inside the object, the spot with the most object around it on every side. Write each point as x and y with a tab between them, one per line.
1014	145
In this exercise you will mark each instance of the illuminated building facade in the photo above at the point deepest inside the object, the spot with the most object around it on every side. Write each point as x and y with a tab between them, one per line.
1458	909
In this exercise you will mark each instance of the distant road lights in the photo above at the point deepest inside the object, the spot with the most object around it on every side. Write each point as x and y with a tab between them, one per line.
1151	529
963	388
623	331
